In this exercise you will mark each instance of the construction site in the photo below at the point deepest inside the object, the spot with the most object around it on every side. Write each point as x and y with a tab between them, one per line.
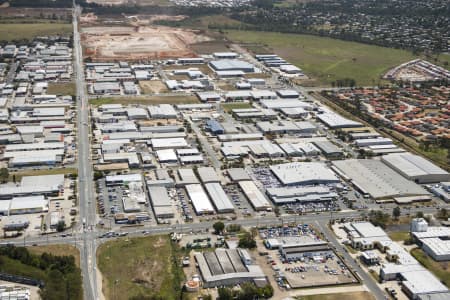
106	43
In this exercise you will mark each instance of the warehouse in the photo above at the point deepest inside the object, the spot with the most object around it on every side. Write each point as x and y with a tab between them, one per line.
167	156
191	159
208	96
416	168
228	267
225	55
295	112
122	179
334	120
101	88
200	200
208	174
278	127
437	248
47	185
374	178
170	143
301	194
162	111
219	198
304	173
290	69
187	176
28	205
293	247
434	240
255	196
238	174
373	142
288	94
285	103
214	127
160	202
240	137
329	150
232	65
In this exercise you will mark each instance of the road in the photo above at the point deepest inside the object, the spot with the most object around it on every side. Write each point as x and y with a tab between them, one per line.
85	178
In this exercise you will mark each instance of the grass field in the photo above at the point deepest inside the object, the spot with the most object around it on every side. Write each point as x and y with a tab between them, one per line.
146	100
340	296
58	250
19	175
63	89
140	267
230	106
10	32
437	268
399	235
328	59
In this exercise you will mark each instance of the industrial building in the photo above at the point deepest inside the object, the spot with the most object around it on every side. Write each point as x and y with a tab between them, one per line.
294	247
207	174
238	174
329	150
232	65
301	194
47	185
219	198
254	195
304	173
434	240
415	168
200	200
374	178
334	120
160	202
225	267
415	279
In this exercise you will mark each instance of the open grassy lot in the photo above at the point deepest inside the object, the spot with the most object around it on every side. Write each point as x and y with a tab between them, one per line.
340	296
230	106
9	32
146	100
61	88
328	59
58	250
140	267
398	235
437	268
19	175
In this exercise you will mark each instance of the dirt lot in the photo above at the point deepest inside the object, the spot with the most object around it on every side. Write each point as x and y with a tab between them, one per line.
152	86
135	43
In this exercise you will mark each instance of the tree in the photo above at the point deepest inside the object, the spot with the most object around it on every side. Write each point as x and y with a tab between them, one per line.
218	227
98	175
4	174
225	293
420	214
443	214
396	212
61	226
247	241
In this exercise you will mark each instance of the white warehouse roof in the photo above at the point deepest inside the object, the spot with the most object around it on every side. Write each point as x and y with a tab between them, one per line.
304	173
415	167
199	199
219	197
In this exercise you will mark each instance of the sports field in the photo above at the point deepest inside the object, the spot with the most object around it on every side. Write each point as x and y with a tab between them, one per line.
19	31
327	59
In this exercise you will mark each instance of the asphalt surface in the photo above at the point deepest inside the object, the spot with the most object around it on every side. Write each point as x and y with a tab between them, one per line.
85	178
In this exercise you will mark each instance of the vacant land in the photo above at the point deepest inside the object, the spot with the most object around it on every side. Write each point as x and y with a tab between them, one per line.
140	267
152	86
147	100
58	250
230	106
328	59
346	296
437	268
10	32
61	89
18	175
135	43
399	236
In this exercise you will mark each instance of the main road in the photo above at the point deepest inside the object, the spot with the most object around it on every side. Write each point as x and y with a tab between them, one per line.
85	178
